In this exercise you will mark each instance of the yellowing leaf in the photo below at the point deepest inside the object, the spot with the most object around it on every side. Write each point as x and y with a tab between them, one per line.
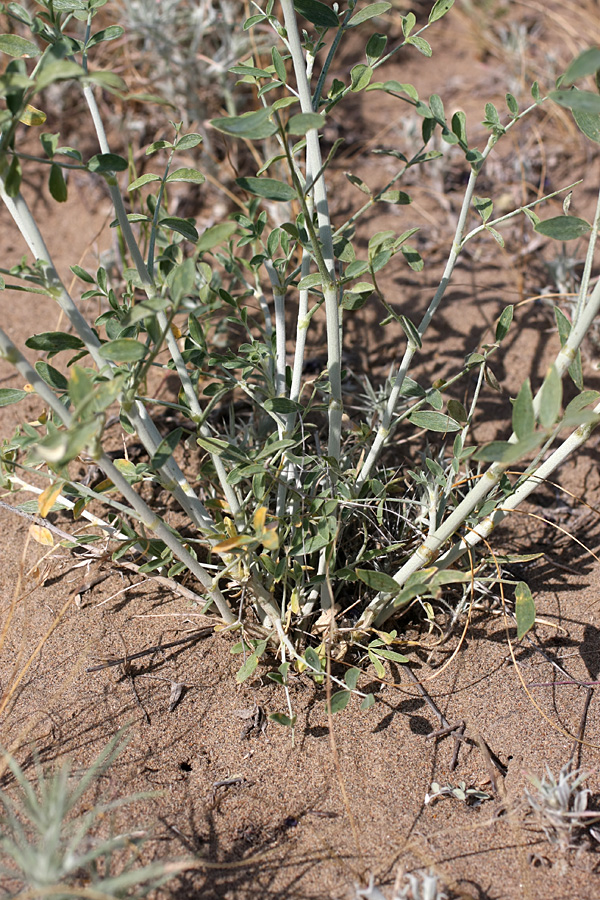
41	535
232	543
259	518
46	498
295	602
175	331
270	538
32	116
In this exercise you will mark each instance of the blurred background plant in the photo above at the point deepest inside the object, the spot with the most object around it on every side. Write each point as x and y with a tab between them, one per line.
51	837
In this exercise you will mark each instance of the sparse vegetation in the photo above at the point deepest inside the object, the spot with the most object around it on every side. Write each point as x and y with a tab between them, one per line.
269	478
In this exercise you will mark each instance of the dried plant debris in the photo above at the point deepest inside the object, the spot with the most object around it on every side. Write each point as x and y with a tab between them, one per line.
256	721
470	795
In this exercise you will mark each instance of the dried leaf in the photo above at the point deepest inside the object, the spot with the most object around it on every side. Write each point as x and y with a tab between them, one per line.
41	535
177	690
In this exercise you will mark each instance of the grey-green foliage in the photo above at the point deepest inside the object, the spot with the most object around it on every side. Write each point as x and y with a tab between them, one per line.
420	885
51	836
186	49
297	511
561	807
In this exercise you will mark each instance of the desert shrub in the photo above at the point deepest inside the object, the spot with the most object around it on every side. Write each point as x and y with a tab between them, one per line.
295	524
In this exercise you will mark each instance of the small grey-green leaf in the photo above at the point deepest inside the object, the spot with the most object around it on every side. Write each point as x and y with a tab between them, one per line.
16	46
484	207
439	9
410	331
378	581
524	609
368	12
51	375
57	184
107	163
551	398
303	122
457	411
360	77
433	421
269	188
589	124
391	655
54	341
191	176
582	101
123	350
368	702
523	417
166	448
9	396
351	677
317	13
252	126
421	45
312	658
215	235
504	323
281	405
247	669
563	228
587	63
339	701
181	226
142	180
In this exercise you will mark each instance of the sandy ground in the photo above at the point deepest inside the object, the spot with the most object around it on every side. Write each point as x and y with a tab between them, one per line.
311	819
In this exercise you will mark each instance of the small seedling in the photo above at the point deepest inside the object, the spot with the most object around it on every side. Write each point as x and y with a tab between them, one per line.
469	795
561	805
411	886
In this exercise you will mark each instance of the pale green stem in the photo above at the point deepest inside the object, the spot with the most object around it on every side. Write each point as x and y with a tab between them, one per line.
314	171
11	354
587	269
428	551
150	290
65	503
384	429
144	425
483	529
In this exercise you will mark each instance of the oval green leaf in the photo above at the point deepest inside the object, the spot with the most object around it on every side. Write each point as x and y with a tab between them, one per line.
181	226
524	609
368	12
589	124
269	188
55	341
439	9
16	46
339	701
9	396
123	350
252	126
317	13
563	228
192	176
587	63
582	101
433	421
303	122
378	581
